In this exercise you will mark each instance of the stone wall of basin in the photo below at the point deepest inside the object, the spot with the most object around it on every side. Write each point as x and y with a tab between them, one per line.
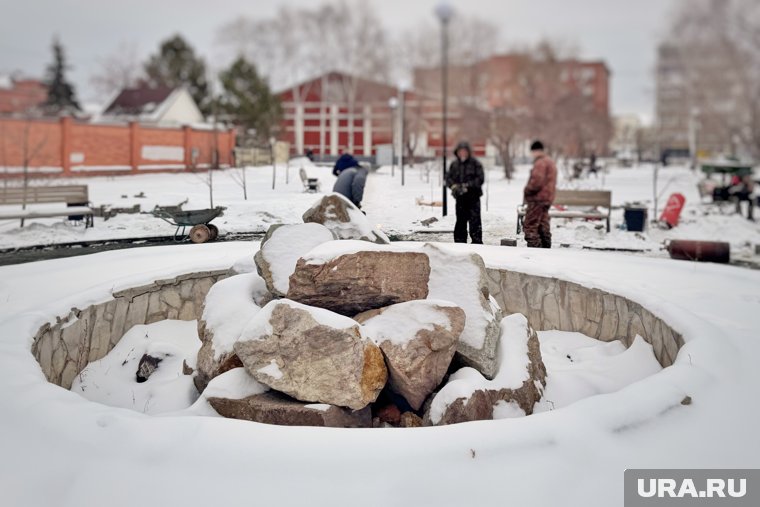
550	303
65	347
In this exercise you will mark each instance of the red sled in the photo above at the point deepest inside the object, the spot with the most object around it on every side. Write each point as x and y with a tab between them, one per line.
672	211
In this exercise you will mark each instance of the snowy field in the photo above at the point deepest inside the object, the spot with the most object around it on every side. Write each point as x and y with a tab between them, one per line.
63	450
392	207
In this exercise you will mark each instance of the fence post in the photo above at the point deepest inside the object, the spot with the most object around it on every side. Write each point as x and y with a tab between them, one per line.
188	147
134	146
66	145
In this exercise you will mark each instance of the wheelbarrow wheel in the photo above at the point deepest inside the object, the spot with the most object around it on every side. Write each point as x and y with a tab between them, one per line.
214	231
200	234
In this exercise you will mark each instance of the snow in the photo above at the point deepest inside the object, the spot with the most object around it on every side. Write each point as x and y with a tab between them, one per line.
272	370
111	380
327	252
69	451
234	384
230	304
581	367
392	207
286	245
400	323
322	407
454	276
513	368
259	327
507	409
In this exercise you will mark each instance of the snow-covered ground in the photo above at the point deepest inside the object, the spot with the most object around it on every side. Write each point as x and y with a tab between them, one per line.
392	207
60	449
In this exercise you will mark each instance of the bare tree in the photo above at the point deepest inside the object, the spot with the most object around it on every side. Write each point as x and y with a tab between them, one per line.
116	71
717	44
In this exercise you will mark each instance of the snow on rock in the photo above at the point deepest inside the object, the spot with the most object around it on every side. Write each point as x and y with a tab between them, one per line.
344	219
312	354
230	304
234	384
113	380
581	367
461	278
281	248
418	339
276	408
360	281
521	377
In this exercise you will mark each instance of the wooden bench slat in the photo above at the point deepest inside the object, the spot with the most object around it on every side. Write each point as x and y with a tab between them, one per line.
68	194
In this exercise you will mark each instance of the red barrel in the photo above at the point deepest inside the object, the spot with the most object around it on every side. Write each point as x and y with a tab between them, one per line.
702	251
672	211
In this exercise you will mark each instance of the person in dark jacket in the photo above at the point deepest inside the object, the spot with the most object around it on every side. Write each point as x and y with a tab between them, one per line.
345	161
350	184
465	179
538	196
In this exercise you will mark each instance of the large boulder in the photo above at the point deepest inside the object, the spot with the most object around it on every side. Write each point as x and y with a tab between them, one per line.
360	281
518	386
461	278
313	355
229	305
344	219
276	408
418	339
281	248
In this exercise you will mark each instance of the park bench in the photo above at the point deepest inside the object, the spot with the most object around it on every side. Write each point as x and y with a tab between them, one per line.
75	197
588	200
309	184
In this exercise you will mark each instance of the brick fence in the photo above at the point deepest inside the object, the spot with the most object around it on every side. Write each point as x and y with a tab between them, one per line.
67	147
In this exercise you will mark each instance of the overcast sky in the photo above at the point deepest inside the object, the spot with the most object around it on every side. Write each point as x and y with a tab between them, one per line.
624	33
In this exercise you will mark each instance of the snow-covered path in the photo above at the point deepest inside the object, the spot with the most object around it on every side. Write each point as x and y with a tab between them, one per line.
60	449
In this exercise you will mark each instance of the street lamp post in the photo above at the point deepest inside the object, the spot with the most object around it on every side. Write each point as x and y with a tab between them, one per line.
401	134
444	12
693	128
393	104
272	142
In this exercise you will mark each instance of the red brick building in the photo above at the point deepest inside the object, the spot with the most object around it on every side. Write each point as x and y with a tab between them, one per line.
338	113
68	147
562	93
18	96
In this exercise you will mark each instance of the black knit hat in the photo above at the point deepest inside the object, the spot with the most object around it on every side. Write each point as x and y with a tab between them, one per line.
537	146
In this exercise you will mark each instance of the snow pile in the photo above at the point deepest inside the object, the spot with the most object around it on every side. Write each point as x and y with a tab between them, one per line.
234	384
581	367
112	379
229	305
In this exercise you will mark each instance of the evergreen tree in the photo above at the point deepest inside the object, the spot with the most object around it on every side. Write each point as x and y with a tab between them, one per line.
61	96
177	65
247	100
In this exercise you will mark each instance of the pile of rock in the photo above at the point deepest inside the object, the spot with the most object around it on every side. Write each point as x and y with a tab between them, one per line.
345	330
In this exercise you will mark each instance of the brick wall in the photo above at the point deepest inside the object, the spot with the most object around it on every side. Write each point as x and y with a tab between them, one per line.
67	147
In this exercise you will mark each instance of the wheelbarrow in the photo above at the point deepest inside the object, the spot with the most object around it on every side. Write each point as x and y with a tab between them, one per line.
199	221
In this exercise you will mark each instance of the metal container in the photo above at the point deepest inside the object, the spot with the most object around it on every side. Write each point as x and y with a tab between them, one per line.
701	251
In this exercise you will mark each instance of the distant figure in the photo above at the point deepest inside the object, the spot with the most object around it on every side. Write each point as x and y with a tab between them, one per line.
742	189
345	161
350	184
539	196
465	179
310	154
592	164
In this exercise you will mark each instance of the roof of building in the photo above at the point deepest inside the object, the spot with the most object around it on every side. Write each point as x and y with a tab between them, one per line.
139	101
